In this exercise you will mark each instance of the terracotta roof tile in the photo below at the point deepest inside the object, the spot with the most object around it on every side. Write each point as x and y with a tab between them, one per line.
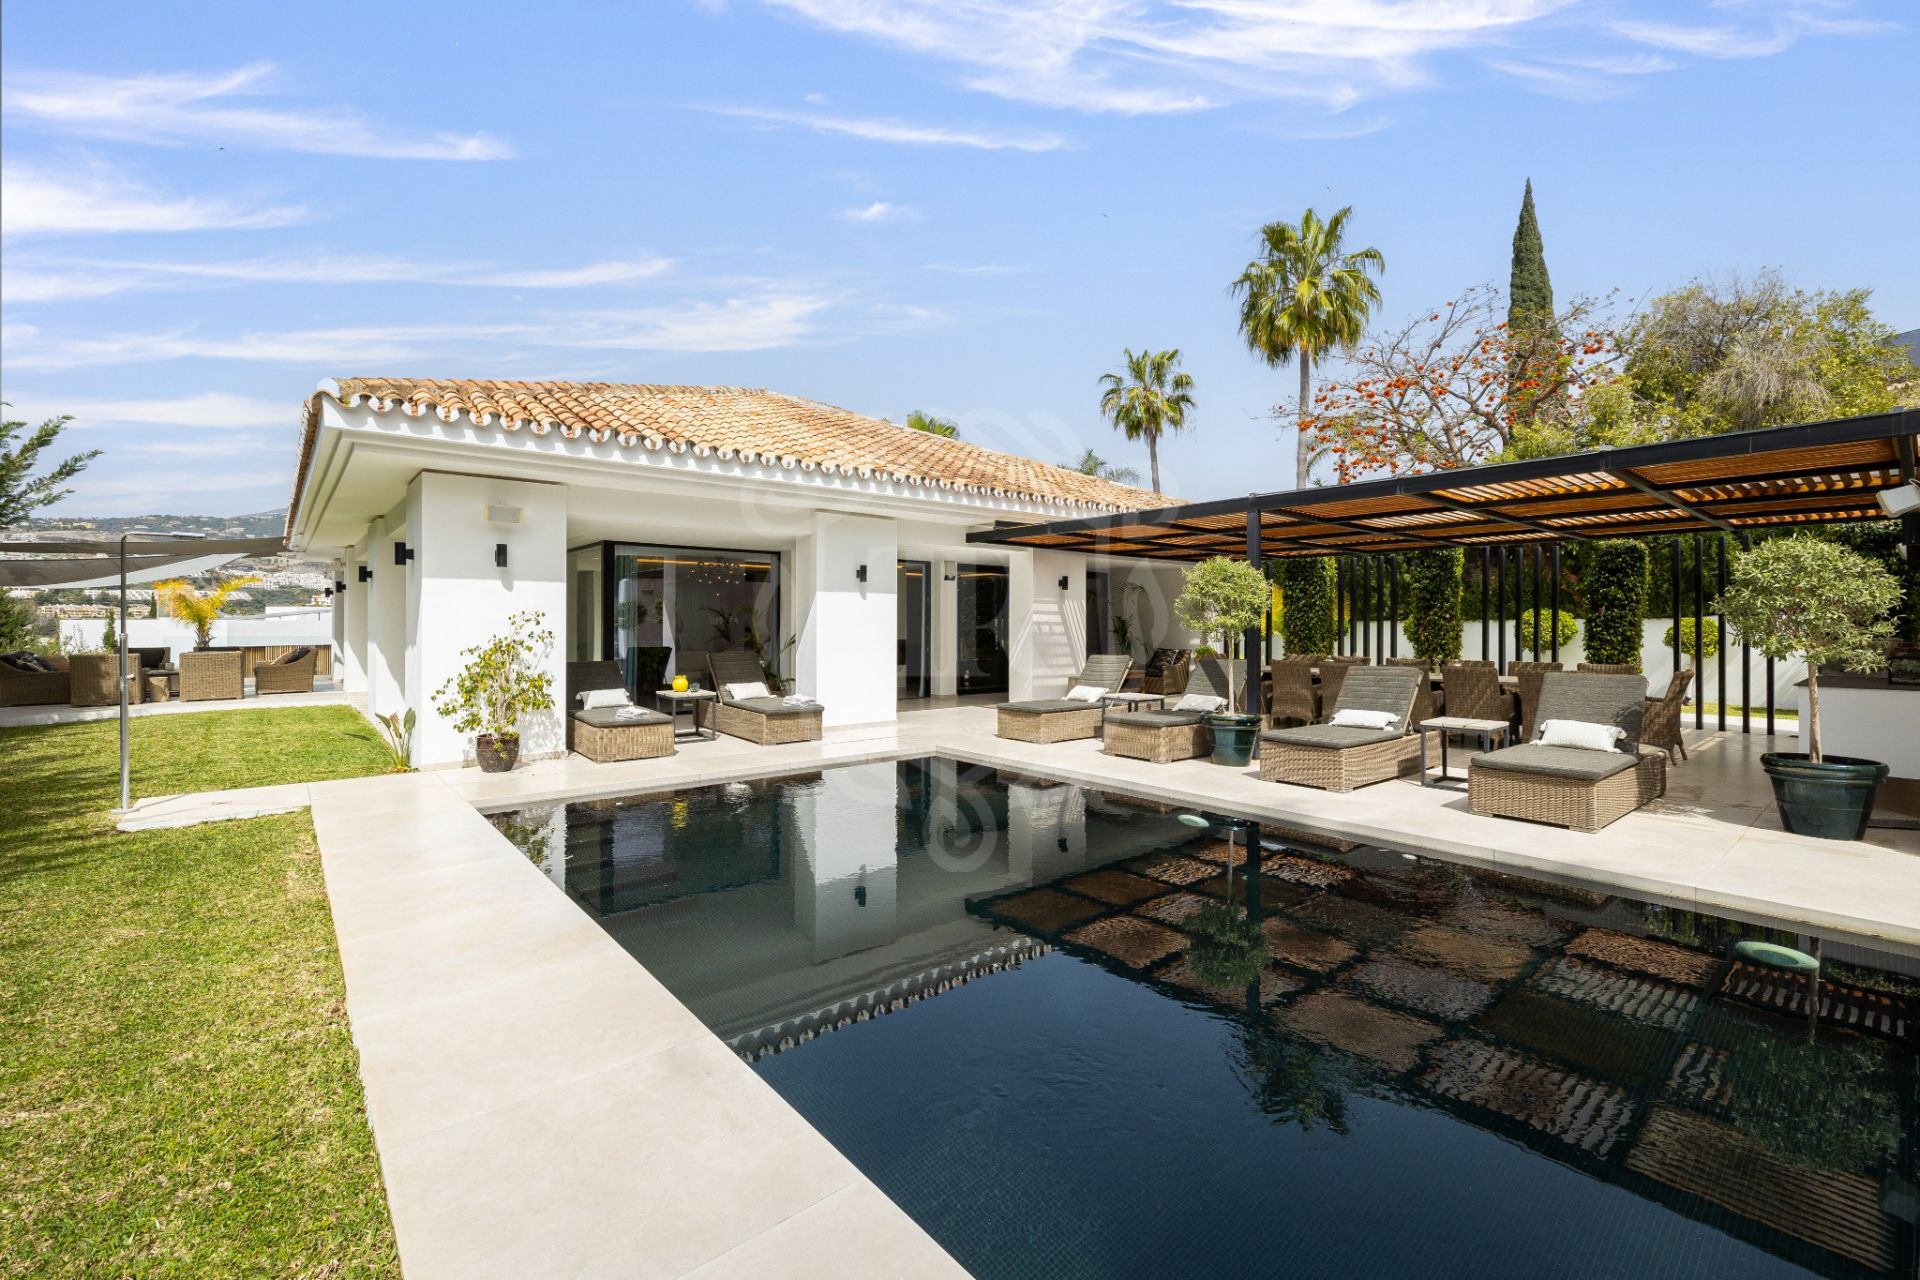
735	421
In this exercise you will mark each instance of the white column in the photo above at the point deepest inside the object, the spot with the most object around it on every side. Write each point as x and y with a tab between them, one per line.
386	622
350	672
462	598
847	628
945	649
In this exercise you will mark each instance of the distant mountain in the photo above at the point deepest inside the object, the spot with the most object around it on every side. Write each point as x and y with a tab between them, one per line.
260	524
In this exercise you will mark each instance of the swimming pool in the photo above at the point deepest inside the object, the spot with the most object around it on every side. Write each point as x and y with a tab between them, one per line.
998	995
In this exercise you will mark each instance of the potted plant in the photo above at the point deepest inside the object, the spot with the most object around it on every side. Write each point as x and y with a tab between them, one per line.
502	682
1817	598
197	609
1223	597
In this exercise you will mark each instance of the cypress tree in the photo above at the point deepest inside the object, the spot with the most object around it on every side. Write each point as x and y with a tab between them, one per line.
1529	298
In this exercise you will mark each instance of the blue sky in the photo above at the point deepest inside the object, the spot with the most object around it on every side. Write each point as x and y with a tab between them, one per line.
966	206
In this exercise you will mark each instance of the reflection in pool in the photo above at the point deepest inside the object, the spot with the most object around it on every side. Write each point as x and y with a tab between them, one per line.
999	996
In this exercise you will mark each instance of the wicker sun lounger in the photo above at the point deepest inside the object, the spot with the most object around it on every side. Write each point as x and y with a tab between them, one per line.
765	721
1163	736
1065	719
1337	758
604	734
1566	786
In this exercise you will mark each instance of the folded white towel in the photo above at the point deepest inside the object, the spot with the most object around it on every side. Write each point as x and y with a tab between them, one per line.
629	713
798	700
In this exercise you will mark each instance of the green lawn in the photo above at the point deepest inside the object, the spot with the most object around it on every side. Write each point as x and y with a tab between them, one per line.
179	1094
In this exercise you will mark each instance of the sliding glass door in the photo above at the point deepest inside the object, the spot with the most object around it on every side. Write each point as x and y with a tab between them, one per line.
672	606
981	622
913	662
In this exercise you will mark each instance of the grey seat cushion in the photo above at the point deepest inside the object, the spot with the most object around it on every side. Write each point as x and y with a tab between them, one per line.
1156	719
1329	735
773	706
610	718
1046	706
1556	762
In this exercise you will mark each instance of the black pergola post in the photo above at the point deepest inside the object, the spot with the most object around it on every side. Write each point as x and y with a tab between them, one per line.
1746	663
1486	558
1720	628
1699	621
1554	554
1252	644
1393	604
1673	546
1500	605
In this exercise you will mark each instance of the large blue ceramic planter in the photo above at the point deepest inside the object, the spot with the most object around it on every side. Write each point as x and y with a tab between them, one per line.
1831	800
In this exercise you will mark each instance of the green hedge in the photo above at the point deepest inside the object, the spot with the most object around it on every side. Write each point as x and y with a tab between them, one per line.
1616	595
1433	604
1710	628
1537	628
1306	598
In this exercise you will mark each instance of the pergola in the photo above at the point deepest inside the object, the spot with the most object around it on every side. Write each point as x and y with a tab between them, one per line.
1516	513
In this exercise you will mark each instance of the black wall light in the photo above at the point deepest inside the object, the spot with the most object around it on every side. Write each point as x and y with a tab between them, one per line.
339	588
402	553
860	574
1065	582
500	554
366	573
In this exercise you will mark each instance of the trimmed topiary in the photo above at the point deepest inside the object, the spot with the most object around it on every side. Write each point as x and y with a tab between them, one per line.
1616	592
1538	628
1306	594
1709	630
1434	585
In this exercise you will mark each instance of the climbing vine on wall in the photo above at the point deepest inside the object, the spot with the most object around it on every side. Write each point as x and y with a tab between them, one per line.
1616	592
1306	590
1433	602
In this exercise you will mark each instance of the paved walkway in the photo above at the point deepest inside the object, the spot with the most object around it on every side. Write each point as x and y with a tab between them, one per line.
543	1106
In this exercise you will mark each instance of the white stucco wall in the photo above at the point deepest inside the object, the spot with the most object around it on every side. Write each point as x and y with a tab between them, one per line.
462	598
844	654
1047	624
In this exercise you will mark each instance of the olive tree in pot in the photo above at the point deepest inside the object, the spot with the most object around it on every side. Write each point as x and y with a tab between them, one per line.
1223	597
502	681
1812	597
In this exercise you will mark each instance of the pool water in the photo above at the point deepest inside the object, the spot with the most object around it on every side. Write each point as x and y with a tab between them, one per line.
1002	998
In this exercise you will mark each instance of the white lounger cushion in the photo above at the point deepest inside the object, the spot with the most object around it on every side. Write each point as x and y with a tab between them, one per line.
593	699
1580	734
747	689
1354	718
1199	702
1085	693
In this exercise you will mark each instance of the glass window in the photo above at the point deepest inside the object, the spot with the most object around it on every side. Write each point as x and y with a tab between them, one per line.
672	606
981	625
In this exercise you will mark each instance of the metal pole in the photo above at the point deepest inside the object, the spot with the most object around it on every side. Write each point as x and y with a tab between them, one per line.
1746	663
1366	606
1253	633
1699	621
1500	606
1720	628
126	774
1485	562
1393	607
1673	585
1555	557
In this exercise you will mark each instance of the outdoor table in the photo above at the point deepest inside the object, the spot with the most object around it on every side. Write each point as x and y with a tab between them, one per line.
1492	735
671	700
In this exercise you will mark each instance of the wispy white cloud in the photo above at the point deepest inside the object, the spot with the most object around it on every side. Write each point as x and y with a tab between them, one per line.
880	211
733	324
1139	57
56	280
219	108
95	199
216	409
332	347
900	131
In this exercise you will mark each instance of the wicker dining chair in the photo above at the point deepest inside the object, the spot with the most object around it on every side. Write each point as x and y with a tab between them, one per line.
1166	672
1290	692
1425	705
1610	668
1473	691
1333	673
1661	726
1530	674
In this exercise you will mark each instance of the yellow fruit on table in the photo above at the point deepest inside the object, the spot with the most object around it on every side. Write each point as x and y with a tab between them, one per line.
679	684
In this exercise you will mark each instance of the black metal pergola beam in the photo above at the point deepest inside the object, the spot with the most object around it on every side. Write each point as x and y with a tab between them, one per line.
1626	476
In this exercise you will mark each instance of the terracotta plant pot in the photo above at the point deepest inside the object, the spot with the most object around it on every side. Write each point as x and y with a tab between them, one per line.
496	755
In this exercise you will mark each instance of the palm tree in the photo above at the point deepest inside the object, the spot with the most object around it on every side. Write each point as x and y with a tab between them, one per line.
1092	464
1151	398
1302	297
918	421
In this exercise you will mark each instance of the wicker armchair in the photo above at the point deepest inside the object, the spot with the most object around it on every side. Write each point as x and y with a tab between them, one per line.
26	688
290	673
1163	736
1167	672
766	721
1474	693
1338	758
207	674
1290	692
1425	705
95	680
1661	727
1064	719
1609	668
1530	674
1567	786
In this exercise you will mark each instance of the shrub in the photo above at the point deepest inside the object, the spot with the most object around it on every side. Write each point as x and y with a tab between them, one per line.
1306	594
1616	591
1433	603
1710	638
1223	597
1541	630
502	681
